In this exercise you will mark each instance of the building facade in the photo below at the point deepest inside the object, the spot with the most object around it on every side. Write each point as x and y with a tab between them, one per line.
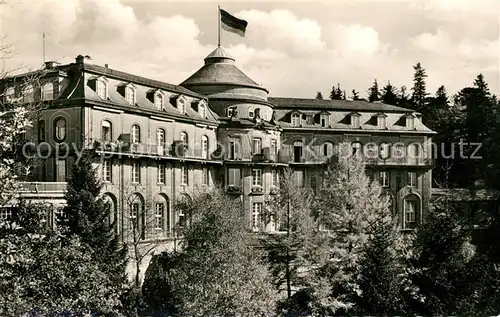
156	143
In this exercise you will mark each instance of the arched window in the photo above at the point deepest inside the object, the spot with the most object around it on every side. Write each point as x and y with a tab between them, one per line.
356	148
295	119
48	91
204	147
159	101
181	105
327	149
161	141
102	89
384	150
162	213
130	95
184	212
230	111
184	138
411	212
107	132
60	129
113	217
135	134
137	216
251	112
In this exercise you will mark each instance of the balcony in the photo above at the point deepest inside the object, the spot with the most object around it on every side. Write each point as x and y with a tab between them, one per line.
234	190
274	190
257	190
247	155
42	189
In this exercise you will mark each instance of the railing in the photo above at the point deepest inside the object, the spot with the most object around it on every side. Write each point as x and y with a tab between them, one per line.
176	149
42	187
248	155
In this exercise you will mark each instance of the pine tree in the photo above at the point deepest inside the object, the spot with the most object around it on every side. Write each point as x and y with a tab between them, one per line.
380	274
319	95
355	95
346	205
336	93
373	92
403	98
419	95
87	215
389	94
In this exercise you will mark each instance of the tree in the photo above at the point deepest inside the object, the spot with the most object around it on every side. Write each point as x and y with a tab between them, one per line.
355	95
389	94
336	93
381	273
442	266
419	93
319	95
87	215
373	92
346	205
292	251
403	98
220	272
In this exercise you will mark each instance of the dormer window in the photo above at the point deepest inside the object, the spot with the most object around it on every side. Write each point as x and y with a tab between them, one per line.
102	89
181	105
159	101
230	111
130	95
251	112
382	121
355	120
410	122
202	111
48	91
295	119
324	120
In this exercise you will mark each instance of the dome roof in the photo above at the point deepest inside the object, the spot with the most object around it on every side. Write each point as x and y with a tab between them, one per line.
219	70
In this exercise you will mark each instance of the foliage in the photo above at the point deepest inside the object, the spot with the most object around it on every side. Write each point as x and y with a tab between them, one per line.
389	94
220	272
355	95
87	215
319	95
419	93
337	93
373	92
346	205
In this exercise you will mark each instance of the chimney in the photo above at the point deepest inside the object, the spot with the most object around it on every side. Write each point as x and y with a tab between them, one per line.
80	59
50	64
106	65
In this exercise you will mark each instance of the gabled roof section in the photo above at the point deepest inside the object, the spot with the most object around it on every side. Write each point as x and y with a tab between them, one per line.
346	105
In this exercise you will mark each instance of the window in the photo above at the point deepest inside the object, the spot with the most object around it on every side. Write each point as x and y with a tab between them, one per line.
412	179
202	110
136	134
233	153
382	122
60	170
60	129
257	146
256	212
410	122
130	95
355	120
106	133
327	149
41	130
234	177
181	106
59	215
159	215
161	174
136	173
204	147
324	120
205	176
102	89
28	93
257	177
184	138
274	178
384	150
413	151
251	112
410	212
295	119
298	178
9	94
161	141
5	213
184	175
158	101
48	91
297	151
106	170
231	111
371	151
356	148
384	178
273	148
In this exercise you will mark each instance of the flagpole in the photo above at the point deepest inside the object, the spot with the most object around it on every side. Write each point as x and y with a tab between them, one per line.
218	34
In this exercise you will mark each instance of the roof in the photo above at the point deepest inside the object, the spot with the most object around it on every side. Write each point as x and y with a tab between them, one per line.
219	69
108	72
352	105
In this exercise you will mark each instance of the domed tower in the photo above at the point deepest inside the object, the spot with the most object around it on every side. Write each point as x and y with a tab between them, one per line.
249	138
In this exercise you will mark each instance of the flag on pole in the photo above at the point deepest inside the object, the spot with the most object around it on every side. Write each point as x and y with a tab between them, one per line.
232	24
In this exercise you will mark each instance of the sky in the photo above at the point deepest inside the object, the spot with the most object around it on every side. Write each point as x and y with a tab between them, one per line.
294	49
